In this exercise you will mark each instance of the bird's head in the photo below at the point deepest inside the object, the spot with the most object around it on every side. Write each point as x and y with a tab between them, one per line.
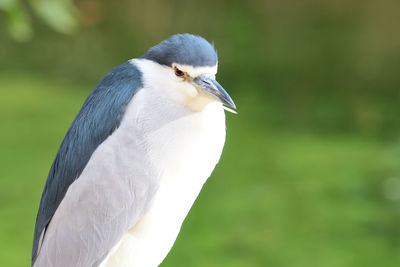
184	66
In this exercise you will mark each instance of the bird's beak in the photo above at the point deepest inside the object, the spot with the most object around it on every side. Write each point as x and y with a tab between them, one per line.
210	87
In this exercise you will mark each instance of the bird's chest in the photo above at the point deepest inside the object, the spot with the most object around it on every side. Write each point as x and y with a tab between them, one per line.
175	144
182	150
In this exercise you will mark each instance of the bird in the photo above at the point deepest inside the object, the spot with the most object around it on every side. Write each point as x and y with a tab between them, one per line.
134	160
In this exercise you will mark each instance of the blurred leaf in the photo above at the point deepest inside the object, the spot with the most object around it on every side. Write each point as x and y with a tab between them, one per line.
18	23
61	15
58	14
7	4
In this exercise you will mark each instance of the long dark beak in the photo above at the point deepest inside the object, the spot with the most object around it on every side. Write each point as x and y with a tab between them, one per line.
209	86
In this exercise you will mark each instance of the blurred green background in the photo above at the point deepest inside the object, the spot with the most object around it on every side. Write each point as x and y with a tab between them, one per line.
310	174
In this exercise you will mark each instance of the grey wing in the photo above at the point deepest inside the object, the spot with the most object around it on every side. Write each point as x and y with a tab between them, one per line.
100	115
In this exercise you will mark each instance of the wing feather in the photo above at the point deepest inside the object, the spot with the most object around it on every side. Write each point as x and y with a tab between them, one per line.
98	118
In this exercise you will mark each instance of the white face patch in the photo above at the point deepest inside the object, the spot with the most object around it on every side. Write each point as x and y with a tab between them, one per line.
197	71
165	84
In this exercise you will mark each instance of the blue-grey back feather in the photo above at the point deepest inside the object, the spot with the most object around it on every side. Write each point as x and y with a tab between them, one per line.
100	115
184	49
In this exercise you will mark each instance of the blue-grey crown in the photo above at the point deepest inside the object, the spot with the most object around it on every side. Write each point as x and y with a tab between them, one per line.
186	49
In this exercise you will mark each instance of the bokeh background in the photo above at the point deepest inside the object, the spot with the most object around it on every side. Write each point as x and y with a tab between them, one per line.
310	174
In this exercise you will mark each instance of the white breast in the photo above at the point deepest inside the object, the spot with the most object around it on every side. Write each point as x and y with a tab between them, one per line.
183	147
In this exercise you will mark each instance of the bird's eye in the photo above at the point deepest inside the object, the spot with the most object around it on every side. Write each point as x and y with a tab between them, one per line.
178	72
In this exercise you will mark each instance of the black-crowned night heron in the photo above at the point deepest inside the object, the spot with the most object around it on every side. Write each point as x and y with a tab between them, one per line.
134	160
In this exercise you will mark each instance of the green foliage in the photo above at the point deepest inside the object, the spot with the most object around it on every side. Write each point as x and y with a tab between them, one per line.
17	20
60	15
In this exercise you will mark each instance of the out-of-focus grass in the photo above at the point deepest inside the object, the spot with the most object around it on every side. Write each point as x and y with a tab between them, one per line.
33	115
277	198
